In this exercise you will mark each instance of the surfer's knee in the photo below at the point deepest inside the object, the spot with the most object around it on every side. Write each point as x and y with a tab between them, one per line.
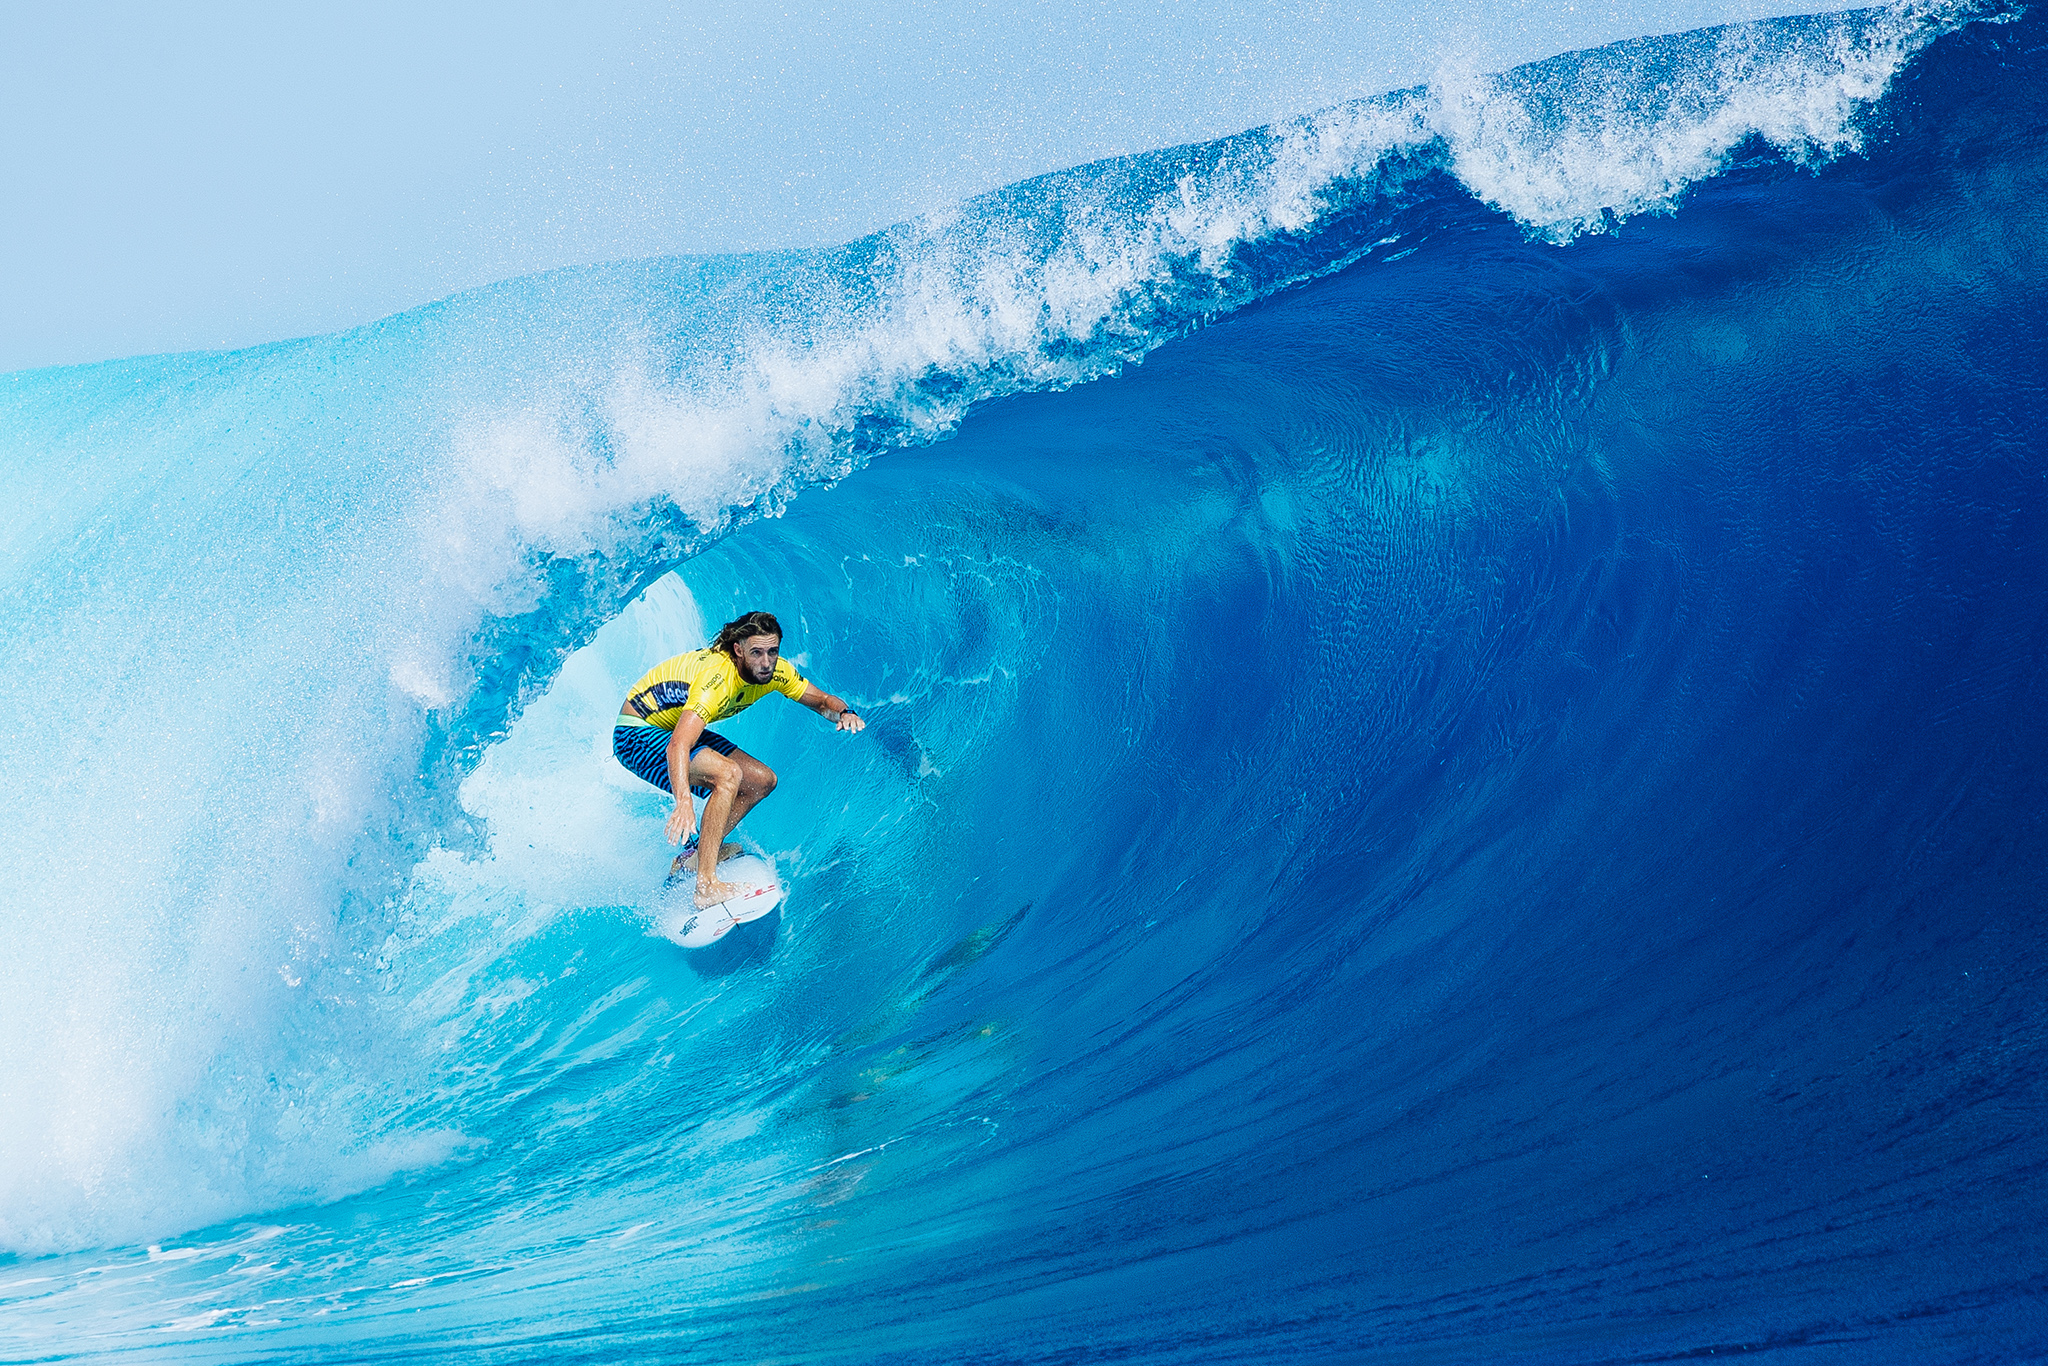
724	775
757	778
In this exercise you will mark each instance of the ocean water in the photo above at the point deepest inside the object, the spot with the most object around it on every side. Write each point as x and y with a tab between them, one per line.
1457	712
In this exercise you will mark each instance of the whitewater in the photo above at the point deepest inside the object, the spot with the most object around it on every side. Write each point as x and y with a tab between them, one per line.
1456	706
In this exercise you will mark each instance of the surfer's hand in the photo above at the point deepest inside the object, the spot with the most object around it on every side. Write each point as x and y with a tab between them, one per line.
682	822
850	723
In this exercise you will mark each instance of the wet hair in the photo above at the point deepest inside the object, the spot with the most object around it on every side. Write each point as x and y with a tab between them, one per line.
744	627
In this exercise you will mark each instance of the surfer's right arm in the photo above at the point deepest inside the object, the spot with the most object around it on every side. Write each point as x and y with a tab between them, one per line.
682	822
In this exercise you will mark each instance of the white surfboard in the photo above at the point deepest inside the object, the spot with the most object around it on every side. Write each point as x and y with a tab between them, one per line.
681	922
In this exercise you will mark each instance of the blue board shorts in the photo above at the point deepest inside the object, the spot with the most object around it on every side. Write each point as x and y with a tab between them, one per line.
644	750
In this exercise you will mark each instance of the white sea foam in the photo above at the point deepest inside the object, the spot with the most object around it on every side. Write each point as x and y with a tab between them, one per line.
1646	120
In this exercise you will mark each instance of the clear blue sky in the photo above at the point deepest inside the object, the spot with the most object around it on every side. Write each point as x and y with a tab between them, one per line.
209	175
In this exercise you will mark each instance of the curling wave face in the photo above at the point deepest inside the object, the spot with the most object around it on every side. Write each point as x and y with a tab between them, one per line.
1485	789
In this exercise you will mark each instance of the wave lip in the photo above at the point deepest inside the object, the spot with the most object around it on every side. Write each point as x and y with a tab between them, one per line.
1581	143
1070	276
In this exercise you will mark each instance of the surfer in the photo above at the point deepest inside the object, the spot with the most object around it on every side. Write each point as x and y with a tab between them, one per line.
660	735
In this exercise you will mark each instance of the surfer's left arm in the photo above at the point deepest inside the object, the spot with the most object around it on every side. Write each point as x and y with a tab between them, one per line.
833	709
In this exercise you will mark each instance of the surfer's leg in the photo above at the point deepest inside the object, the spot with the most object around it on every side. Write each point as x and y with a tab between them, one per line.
757	780
710	769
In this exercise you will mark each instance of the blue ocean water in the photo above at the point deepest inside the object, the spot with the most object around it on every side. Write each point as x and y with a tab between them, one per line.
1456	698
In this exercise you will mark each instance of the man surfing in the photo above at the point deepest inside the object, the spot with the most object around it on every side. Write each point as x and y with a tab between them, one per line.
660	735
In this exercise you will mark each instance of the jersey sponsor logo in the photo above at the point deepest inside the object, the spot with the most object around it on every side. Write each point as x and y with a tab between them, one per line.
660	697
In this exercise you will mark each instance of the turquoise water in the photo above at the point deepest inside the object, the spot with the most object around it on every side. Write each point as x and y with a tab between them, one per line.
1455	704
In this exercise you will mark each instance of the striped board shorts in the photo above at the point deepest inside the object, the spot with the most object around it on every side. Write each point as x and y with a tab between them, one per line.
644	750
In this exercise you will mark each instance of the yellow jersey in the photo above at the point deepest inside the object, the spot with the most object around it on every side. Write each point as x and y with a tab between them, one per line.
703	681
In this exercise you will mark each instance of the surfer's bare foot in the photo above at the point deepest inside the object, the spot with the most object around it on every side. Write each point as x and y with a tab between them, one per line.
710	891
725	851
